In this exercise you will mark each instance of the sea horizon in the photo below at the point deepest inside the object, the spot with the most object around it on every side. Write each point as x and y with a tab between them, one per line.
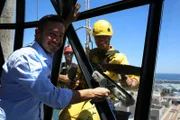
167	76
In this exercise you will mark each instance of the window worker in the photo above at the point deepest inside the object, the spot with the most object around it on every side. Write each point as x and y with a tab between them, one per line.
64	80
102	32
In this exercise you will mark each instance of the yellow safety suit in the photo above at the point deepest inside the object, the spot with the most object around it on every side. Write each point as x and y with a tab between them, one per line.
80	111
111	56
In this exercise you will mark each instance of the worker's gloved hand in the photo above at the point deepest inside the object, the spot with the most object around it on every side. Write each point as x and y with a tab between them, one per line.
72	73
104	82
73	82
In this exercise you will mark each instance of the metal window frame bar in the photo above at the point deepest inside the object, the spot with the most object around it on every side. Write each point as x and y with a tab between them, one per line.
20	17
2	59
149	61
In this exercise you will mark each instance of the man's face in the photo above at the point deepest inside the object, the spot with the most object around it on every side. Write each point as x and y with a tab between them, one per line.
68	56
102	42
51	37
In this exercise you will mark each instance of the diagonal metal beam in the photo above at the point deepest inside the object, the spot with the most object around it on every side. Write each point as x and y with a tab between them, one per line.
103	107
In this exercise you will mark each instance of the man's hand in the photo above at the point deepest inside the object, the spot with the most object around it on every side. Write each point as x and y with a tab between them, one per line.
70	83
73	15
97	94
132	83
73	84
63	78
100	93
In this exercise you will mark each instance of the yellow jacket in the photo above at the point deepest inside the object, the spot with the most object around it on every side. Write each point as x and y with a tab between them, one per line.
111	56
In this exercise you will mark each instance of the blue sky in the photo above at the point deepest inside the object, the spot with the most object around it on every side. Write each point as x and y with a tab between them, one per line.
129	30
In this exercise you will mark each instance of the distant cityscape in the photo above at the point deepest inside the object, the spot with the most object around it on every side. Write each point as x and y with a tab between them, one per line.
165	103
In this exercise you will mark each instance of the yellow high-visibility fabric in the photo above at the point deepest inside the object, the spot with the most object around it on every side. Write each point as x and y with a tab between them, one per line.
116	58
80	111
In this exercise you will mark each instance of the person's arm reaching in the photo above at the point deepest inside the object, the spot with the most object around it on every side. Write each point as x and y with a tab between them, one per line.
86	94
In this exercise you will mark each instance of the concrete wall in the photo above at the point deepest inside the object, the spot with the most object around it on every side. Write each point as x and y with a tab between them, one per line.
6	36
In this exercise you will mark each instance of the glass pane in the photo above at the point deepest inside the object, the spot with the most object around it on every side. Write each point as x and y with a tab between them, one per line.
166	92
94	3
28	36
35	9
129	28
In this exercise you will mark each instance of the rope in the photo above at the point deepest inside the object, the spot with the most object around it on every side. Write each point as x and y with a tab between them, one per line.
37	10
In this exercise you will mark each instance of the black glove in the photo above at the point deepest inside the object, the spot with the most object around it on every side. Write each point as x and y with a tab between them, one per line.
72	73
